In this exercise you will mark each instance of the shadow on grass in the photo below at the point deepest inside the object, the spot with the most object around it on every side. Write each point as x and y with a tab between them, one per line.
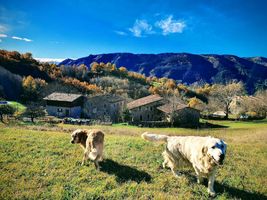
222	188
237	193
124	173
232	191
210	125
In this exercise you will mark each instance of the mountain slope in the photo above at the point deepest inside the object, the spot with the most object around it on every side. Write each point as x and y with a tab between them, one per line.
188	68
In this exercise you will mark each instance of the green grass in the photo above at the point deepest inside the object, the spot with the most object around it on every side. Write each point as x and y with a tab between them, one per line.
45	165
18	106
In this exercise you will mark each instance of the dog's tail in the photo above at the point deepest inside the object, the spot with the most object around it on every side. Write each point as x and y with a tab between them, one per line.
154	137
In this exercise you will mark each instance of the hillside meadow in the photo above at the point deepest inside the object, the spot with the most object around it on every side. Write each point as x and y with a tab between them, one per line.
39	162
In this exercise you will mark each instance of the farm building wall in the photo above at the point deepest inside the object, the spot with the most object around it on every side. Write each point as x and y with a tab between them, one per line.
59	111
147	112
101	109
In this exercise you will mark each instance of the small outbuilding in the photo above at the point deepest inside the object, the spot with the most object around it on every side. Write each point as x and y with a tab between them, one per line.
64	105
180	115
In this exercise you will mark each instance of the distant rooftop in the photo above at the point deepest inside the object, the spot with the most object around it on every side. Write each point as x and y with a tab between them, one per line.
144	101
66	97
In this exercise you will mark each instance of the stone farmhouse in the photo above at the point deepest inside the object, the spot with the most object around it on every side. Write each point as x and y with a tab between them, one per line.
156	108
145	109
64	104
105	107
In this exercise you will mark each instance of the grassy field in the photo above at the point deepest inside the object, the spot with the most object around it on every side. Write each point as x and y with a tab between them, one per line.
39	162
18	106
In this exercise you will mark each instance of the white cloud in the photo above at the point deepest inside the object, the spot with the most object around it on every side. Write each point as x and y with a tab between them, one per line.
3	35
26	39
120	32
19	38
50	60
140	28
169	25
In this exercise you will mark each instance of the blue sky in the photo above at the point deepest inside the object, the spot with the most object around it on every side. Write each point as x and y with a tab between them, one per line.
72	29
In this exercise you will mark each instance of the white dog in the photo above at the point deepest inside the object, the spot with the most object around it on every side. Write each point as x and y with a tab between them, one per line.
203	153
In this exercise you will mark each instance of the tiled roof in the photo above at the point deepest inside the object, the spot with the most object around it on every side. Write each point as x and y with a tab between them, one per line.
66	97
169	108
144	101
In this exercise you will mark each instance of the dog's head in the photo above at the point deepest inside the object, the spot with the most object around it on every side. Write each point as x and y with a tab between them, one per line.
216	150
78	136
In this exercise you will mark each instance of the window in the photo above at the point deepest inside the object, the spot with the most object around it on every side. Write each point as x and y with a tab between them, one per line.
59	110
105	105
141	118
147	116
151	108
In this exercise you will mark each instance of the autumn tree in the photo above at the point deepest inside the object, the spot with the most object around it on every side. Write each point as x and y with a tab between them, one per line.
123	71
32	88
205	90
222	95
196	103
170	84
82	86
52	70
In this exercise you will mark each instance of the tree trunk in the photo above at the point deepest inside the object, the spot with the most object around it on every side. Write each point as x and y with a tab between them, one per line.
227	111
1	118
32	119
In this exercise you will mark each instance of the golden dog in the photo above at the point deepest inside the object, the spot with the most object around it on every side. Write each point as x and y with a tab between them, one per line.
92	141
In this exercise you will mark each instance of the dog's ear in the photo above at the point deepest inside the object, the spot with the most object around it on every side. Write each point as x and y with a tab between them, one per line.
204	150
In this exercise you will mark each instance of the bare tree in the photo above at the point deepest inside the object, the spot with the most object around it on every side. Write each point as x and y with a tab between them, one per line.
174	99
222	95
256	104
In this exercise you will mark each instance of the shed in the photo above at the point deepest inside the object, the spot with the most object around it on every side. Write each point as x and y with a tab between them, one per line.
180	115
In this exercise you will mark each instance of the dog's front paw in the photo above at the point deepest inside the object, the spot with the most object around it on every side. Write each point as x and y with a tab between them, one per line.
212	193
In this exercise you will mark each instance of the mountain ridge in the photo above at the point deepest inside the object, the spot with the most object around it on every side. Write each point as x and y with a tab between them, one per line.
187	67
